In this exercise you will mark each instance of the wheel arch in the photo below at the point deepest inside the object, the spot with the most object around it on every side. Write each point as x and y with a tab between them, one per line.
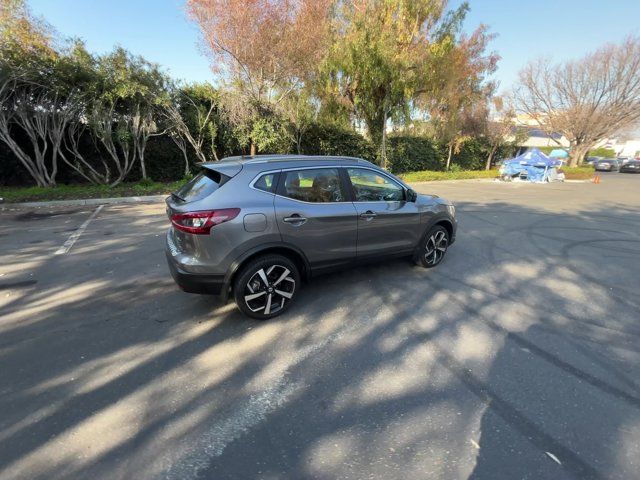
287	250
442	220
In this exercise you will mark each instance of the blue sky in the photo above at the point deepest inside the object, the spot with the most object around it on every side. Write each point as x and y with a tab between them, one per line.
158	29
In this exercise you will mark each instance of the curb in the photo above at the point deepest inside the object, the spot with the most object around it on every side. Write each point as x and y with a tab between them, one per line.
87	201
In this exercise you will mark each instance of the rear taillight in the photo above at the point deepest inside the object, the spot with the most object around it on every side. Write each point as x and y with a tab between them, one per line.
200	223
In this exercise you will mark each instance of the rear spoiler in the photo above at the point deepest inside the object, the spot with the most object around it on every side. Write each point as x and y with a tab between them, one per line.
228	169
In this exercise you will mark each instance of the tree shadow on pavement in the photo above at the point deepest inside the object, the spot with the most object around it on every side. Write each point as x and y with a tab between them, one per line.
524	341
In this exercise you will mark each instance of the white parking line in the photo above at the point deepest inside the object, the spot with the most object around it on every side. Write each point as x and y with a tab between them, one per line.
64	249
218	435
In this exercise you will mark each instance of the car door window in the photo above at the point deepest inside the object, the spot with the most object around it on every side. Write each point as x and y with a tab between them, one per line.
369	186
318	185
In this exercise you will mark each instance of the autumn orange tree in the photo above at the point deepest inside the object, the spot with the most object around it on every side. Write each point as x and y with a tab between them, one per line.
264	50
456	92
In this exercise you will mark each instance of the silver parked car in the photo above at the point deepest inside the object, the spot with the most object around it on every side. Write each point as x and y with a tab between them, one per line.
255	227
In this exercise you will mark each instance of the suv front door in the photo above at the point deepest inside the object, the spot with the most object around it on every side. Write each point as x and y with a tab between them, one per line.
314	214
387	222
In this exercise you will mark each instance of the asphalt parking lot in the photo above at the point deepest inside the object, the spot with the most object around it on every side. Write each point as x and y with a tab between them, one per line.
517	358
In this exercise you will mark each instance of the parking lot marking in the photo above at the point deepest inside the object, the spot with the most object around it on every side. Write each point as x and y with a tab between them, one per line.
217	436
64	249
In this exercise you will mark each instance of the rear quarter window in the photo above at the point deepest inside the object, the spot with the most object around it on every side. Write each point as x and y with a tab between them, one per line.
201	186
267	182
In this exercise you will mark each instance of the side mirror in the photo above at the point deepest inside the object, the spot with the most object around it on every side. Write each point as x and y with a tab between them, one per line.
412	196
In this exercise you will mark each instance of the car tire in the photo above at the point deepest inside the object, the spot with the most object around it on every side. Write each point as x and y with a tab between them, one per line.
266	287
433	247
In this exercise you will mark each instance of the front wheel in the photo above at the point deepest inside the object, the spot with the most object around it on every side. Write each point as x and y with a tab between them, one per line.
266	286
434	247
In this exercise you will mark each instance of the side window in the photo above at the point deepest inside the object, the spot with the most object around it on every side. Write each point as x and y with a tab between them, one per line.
369	186
319	185
267	182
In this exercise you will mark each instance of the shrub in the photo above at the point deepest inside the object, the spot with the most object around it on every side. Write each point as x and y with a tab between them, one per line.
408	153
333	140
164	161
472	155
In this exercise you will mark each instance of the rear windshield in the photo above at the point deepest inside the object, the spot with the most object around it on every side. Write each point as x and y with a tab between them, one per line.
201	186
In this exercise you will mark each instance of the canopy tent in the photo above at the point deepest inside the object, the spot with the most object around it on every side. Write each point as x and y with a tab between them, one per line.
559	153
532	165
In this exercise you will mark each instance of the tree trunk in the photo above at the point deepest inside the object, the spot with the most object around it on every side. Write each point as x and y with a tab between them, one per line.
143	167
373	128
299	142
187	172
577	154
449	156
384	137
254	148
490	158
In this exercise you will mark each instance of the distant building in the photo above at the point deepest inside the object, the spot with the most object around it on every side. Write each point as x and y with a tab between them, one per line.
536	136
623	148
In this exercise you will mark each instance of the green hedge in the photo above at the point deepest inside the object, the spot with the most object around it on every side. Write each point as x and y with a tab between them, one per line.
429	176
602	152
409	154
332	140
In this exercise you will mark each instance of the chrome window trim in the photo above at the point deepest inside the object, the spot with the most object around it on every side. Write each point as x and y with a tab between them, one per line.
284	170
258	177
316	167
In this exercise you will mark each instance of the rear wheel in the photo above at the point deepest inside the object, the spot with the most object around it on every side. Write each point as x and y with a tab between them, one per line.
266	286
433	247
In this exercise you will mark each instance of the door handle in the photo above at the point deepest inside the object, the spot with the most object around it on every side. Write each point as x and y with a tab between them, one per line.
368	215
295	220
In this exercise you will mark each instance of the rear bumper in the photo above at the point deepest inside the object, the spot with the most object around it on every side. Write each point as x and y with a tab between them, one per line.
196	283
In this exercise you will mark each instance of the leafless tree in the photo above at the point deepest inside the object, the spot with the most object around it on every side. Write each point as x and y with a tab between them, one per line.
586	100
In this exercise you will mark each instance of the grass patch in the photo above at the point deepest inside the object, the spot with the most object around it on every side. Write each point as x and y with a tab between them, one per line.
578	173
571	173
73	192
430	175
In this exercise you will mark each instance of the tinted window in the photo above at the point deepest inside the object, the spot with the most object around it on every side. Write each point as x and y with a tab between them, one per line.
369	186
319	185
200	186
266	182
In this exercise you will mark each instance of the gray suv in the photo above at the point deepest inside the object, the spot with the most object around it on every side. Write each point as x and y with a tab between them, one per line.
256	227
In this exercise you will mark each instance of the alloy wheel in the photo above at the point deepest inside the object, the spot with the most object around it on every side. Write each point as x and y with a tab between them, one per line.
268	289
436	247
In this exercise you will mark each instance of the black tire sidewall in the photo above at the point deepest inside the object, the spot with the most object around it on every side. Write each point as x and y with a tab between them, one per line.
250	269
423	245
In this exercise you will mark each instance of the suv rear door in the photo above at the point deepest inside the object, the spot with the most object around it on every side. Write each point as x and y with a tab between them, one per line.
387	222
314	214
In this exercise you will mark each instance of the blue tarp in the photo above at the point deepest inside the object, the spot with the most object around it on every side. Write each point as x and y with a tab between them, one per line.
533	164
